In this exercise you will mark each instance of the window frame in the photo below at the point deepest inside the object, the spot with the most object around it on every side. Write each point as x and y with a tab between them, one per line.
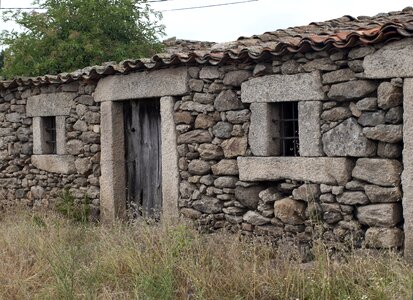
49	130
288	140
264	131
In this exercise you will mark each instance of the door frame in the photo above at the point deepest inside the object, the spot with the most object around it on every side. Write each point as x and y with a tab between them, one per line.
143	157
111	91
113	172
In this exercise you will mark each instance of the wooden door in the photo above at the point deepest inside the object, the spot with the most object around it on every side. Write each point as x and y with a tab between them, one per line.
143	157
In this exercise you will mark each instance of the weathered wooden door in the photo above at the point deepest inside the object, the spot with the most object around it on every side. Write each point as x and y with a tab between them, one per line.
143	157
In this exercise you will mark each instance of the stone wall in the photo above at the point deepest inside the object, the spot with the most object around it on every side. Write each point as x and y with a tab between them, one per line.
38	180
345	187
359	120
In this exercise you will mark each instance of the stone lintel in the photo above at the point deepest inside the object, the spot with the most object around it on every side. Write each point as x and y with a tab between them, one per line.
112	179
63	164
393	60
328	170
57	104
170	173
282	88
407	174
309	132
148	84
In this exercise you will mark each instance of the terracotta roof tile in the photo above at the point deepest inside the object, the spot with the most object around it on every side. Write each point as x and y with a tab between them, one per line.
342	32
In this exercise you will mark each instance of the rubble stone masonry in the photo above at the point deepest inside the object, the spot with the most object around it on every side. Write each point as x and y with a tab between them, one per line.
345	187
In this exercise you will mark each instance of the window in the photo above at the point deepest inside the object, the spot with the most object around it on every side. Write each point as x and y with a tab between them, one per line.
288	127
49	135
274	129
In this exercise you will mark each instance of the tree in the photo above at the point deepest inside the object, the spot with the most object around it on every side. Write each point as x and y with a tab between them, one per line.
1	59
72	34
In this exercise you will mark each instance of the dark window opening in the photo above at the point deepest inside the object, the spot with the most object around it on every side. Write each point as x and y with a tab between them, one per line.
289	142
49	126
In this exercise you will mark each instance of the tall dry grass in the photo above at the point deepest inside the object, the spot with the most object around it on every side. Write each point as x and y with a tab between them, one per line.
49	257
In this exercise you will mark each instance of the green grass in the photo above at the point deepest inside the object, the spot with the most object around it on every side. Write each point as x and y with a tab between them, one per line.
45	256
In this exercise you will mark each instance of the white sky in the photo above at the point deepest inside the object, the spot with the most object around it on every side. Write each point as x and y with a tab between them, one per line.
226	23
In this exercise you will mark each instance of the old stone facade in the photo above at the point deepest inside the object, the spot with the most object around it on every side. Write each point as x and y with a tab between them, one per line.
288	146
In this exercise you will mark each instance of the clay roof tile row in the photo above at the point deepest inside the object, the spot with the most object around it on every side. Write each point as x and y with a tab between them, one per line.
344	32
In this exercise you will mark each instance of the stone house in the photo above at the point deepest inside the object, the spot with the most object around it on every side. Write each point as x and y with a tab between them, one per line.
286	134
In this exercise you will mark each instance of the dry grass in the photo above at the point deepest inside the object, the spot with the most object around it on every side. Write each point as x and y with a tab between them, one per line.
48	257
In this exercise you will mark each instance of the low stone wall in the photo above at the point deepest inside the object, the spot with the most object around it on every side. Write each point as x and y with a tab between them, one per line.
360	120
38	180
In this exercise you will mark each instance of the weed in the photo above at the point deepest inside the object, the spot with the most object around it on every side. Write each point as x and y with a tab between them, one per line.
46	256
73	209
38	221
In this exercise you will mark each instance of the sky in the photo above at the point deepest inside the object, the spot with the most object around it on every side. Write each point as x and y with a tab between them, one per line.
227	23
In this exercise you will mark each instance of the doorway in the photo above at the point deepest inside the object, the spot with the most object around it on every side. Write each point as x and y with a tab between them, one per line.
143	157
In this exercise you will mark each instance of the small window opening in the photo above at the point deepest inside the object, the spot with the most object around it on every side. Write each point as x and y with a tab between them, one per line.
289	142
49	125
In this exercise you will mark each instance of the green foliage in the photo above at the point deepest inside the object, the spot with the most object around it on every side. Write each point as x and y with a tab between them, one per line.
69	207
1	59
73	34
